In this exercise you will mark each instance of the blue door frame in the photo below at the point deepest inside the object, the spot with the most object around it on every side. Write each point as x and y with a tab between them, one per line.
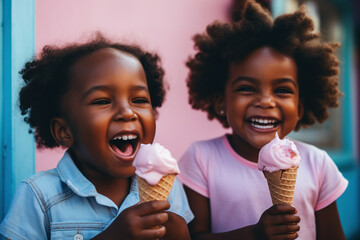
17	145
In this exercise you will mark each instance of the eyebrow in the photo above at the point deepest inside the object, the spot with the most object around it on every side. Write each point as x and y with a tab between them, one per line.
244	79
255	80
108	88
94	89
140	88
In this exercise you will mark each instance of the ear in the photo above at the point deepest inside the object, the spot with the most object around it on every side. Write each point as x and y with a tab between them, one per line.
61	132
219	105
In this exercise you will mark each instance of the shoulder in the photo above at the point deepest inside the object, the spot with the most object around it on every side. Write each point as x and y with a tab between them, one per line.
209	145
45	180
210	142
316	160
305	146
200	153
310	152
47	187
317	171
38	178
198	161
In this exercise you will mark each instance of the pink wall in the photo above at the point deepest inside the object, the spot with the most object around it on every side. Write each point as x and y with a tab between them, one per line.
158	25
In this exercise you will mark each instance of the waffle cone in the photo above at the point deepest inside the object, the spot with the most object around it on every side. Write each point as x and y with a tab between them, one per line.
160	191
282	185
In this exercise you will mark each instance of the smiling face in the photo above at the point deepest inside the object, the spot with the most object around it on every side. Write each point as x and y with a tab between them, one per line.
261	97
108	113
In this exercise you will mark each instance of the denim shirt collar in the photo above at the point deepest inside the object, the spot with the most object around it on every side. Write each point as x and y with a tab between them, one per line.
73	178
80	185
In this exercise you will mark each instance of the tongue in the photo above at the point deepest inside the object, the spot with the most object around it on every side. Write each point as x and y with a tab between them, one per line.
125	150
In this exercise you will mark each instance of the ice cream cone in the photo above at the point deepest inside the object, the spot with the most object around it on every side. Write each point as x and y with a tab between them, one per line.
282	185
159	191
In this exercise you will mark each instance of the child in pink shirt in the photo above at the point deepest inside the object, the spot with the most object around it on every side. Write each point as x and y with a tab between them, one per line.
260	76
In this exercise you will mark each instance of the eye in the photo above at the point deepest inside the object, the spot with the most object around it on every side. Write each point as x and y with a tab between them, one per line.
245	88
284	90
101	102
141	100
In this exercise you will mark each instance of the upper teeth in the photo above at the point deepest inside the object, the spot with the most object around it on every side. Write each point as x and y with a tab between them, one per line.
125	137
263	121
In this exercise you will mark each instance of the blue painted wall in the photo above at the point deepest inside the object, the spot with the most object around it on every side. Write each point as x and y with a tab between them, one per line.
349	204
1	115
348	162
17	145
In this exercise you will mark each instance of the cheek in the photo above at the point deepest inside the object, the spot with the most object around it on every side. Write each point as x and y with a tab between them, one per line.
149	127
236	107
235	117
92	127
149	133
293	113
96	122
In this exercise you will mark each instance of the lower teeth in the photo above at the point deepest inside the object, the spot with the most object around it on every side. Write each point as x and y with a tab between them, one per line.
263	126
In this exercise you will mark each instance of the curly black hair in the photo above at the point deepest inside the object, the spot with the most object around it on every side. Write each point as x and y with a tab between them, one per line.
47	79
253	28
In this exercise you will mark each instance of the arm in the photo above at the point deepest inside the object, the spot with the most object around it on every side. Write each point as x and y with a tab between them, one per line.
176	228
25	218
328	225
278	222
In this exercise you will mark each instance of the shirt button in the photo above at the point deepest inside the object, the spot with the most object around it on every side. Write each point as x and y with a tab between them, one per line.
78	237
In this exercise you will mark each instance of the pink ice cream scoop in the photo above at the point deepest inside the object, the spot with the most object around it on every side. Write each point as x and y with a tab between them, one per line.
153	161
279	154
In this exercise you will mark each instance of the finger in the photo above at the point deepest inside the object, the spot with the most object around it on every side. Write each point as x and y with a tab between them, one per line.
289	236
285	229
152	207
150	221
281	209
153	233
282	219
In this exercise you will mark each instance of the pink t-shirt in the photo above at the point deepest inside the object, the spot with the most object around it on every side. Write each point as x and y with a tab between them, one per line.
238	191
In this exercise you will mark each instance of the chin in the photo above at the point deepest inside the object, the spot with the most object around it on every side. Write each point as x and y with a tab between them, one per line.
123	173
130	172
262	142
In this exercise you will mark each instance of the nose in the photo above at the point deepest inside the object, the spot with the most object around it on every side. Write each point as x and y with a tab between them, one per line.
124	112
265	100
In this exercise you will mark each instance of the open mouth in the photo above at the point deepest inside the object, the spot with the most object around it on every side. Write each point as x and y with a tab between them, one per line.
263	123
125	145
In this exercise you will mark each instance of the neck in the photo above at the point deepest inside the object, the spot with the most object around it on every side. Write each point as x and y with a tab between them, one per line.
243	148
115	188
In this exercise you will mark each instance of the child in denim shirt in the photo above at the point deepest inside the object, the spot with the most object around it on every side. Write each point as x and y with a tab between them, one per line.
98	100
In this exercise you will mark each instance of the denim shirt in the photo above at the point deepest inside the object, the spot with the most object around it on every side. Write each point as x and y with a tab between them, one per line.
61	203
